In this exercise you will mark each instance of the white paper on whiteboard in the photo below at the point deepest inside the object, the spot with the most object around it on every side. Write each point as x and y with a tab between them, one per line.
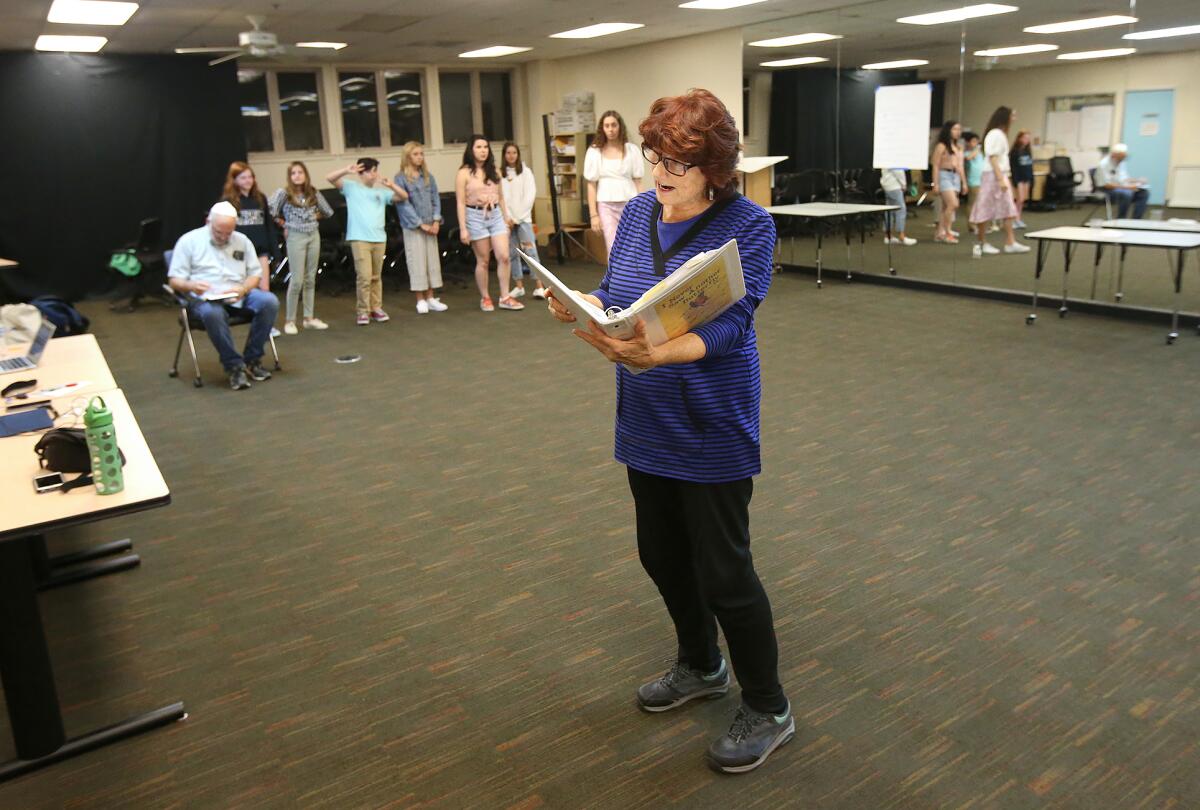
1095	126
1062	128
902	126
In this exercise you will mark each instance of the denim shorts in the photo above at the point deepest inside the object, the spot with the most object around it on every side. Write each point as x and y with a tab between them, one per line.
948	180
482	224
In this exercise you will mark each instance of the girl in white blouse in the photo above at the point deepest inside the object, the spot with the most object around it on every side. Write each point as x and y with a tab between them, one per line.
612	168
519	190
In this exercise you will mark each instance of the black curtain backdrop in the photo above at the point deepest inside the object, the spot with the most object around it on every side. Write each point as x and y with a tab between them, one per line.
93	144
805	120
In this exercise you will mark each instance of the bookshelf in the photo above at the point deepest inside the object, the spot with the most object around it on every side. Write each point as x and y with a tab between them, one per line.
565	201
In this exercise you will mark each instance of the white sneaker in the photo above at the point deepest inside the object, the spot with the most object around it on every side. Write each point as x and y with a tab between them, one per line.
1016	247
540	292
516	292
988	250
315	323
274	332
994	228
895	240
435	305
908	241
422	307
955	234
977	251
1020	225
289	328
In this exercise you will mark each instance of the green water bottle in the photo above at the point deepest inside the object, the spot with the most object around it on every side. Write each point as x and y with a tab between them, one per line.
102	447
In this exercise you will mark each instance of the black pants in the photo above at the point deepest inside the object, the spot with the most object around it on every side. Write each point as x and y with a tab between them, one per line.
694	542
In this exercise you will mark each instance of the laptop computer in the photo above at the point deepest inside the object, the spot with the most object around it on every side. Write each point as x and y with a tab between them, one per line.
34	356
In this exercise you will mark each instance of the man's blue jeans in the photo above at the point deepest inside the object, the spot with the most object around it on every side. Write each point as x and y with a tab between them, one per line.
215	316
1122	197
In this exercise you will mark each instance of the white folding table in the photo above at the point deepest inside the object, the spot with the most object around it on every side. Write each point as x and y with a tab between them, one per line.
1160	225
1072	236
843	211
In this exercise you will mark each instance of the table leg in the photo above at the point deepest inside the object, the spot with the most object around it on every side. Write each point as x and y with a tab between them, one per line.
1174	333
1121	274
888	220
1062	309
66	569
28	676
1096	267
1037	275
820	233
846	228
862	244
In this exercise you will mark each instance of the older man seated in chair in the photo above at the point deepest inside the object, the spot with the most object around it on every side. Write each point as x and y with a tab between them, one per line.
1112	177
217	269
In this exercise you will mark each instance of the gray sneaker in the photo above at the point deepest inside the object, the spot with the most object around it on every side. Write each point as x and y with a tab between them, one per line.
237	379
681	684
750	740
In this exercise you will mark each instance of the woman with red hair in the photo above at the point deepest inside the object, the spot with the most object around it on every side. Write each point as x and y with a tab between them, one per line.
254	220
688	428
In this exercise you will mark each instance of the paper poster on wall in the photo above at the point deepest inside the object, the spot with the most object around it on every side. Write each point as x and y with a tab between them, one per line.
1062	128
1149	128
902	126
1095	126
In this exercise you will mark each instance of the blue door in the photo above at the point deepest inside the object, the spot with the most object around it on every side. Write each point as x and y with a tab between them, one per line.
1149	118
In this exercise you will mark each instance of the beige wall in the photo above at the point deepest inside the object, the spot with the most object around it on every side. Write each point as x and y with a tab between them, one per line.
1026	91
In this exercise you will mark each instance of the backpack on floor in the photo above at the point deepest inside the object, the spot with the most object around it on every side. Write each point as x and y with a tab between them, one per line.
66	319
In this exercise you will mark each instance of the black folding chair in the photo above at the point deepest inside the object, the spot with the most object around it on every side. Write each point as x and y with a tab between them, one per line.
189	324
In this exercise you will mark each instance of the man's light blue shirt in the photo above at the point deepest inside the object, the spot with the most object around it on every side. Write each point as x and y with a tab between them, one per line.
1107	173
198	257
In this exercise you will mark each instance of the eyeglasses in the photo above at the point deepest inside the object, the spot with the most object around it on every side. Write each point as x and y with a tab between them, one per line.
675	167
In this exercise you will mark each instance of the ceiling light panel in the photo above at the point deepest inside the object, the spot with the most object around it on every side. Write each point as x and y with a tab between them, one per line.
1016	50
51	42
90	12
1081	25
1105	54
493	51
598	30
958	14
719	5
1160	33
899	63
799	60
795	39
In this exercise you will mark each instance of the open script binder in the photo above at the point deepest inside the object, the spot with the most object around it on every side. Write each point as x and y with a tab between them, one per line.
698	291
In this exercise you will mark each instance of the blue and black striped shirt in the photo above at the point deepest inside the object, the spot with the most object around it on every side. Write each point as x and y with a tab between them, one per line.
694	421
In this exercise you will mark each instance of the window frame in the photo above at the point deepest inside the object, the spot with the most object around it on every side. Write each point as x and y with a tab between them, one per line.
477	100
278	143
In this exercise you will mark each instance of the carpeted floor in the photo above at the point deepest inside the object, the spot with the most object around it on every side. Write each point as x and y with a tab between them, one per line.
1147	281
412	581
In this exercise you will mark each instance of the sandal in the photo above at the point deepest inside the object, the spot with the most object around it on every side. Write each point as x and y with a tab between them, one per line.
486	305
508	302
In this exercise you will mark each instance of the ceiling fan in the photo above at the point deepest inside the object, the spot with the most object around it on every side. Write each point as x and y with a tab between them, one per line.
256	42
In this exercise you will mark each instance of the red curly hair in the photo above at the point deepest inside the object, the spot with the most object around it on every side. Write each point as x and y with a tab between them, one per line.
698	129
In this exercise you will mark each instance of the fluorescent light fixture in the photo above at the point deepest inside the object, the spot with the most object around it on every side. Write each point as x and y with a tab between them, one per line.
90	12
795	39
957	14
50	42
799	60
495	50
1183	31
899	63
1098	54
1016	49
336	46
719	5
1081	25
597	30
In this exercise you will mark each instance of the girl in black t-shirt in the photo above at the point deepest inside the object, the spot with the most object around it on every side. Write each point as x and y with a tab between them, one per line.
254	218
1020	161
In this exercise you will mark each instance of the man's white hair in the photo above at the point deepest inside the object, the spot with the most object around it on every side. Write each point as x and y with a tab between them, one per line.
223	209
1119	147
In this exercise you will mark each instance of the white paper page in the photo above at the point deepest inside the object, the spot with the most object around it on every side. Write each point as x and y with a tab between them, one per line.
579	307
902	126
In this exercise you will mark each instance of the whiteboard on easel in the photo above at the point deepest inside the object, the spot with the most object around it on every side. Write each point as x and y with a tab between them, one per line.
902	126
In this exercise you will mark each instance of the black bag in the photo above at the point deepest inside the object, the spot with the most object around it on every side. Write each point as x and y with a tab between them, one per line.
66	319
65	450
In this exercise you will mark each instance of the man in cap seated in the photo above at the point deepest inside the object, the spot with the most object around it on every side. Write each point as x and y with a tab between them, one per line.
1112	176
218	270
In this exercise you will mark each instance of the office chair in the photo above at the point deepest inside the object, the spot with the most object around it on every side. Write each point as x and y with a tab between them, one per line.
458	260
188	324
1097	196
147	248
1061	182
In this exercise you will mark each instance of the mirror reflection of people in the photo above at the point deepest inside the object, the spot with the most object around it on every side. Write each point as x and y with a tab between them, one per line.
949	179
893	183
687	428
1020	163
1112	175
995	200
613	169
